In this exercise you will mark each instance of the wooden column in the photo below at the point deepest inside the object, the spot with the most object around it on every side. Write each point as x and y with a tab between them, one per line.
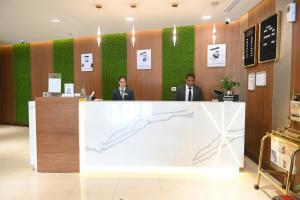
7	99
57	134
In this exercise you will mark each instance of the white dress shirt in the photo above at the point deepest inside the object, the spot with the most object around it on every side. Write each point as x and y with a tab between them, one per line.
122	92
187	92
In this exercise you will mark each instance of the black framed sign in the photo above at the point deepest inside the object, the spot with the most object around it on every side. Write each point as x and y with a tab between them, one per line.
269	38
249	46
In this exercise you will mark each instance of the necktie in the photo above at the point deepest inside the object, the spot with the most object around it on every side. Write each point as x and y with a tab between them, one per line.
123	93
190	94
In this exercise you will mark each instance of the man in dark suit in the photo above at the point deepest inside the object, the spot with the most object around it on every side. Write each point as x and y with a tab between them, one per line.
189	91
122	93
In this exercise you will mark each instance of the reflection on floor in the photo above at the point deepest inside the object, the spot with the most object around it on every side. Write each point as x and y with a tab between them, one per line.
19	181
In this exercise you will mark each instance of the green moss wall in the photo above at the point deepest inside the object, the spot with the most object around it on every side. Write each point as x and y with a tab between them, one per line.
114	61
22	81
178	60
63	60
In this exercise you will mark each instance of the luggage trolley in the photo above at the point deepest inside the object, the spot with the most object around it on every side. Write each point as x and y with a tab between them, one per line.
291	137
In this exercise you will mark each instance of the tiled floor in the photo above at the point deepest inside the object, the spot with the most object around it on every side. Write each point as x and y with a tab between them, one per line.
19	182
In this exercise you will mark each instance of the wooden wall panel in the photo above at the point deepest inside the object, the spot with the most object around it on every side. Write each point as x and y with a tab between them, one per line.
261	11
282	71
259	102
295	72
7	100
91	81
57	134
243	70
147	84
41	57
209	78
295	79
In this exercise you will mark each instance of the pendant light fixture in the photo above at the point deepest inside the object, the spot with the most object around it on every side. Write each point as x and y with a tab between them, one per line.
214	32
174	36
98	36
133	36
132	5
98	6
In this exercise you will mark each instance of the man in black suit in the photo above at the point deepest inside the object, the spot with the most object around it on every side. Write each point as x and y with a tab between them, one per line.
189	91
122	93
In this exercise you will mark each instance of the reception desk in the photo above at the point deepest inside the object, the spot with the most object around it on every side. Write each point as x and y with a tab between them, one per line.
139	135
56	130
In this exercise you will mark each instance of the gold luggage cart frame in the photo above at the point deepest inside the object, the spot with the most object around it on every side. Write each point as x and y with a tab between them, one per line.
285	188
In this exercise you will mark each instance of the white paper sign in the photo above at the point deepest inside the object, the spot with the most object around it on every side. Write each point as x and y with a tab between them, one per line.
281	152
216	55
54	85
261	78
69	88
87	62
251	81
143	59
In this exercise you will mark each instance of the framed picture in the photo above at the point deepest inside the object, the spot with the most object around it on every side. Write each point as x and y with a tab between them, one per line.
87	62
261	79
250	46
216	55
143	59
269	38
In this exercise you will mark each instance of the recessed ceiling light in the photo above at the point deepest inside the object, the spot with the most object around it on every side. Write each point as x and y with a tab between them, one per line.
98	5
215	3
55	20
206	17
133	5
175	4
129	19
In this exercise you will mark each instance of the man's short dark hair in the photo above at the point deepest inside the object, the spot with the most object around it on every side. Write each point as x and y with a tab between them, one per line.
190	75
122	77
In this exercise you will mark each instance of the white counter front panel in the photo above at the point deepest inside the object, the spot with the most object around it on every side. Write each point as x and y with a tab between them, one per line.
161	134
32	134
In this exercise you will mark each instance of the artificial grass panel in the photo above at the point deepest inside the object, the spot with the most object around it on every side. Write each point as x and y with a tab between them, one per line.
63	59
22	80
114	61
178	60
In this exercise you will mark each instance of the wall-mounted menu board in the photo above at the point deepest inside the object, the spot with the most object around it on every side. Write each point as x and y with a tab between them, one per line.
249	46
269	38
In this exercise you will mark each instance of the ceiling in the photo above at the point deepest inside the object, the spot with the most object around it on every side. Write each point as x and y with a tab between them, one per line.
31	20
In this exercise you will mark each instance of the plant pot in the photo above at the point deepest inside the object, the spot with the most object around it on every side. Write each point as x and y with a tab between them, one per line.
228	92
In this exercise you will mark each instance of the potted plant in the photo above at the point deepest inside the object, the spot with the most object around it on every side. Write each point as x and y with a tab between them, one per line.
228	84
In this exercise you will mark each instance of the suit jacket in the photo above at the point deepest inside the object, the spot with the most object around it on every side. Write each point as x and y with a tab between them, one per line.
197	93
117	96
